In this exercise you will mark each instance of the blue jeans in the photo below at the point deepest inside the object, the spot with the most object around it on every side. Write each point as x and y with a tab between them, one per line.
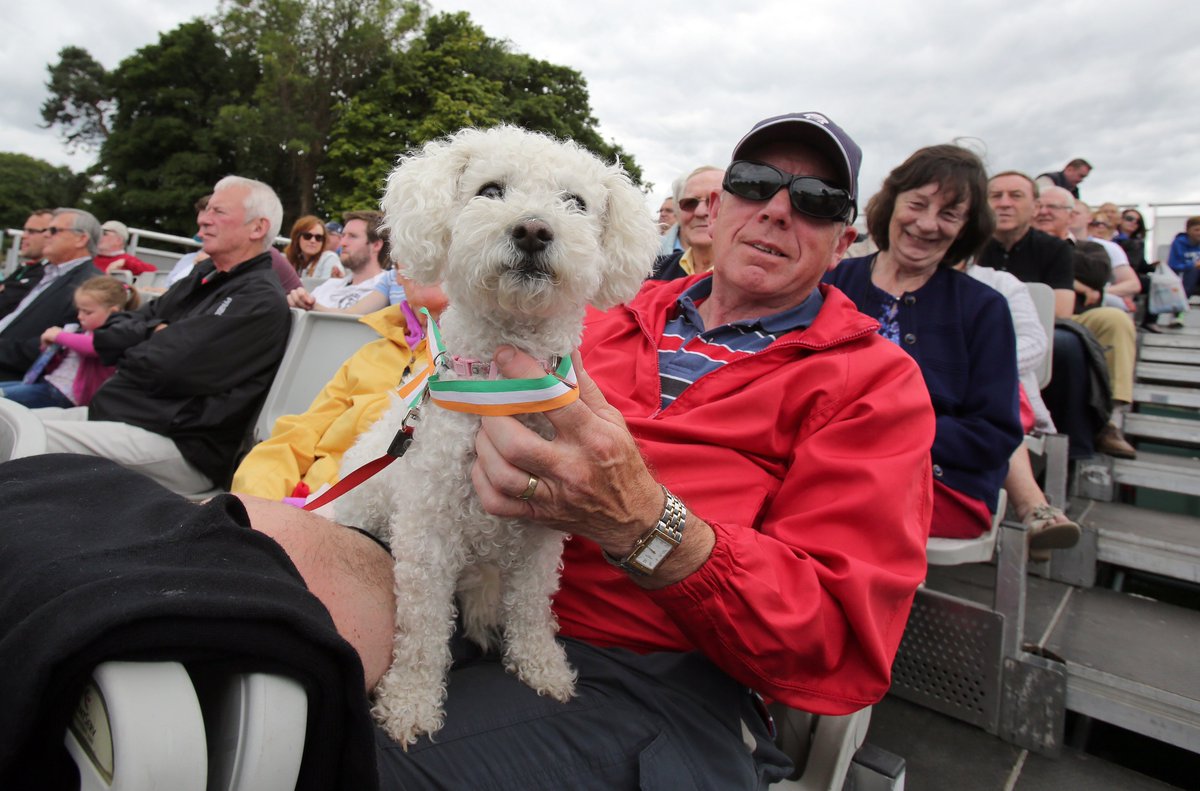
35	396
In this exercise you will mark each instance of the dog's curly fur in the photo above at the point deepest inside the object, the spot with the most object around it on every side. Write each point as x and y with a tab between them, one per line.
523	232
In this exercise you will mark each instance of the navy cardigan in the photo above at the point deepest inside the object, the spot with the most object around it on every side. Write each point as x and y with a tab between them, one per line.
961	334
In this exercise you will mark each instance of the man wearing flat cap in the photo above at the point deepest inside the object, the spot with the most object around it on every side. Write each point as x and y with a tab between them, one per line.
112	257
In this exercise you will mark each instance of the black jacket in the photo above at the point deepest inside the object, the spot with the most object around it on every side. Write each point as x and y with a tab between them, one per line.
201	380
20	341
99	563
19	283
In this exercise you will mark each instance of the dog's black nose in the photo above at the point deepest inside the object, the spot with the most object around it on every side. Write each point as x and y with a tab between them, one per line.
532	236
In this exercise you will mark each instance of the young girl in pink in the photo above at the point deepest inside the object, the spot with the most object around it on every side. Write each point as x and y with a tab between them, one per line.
68	372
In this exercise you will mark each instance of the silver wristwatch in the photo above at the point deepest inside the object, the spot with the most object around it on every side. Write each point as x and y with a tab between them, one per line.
652	549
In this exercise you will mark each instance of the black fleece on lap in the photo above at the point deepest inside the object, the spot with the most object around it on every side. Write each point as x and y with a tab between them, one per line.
100	563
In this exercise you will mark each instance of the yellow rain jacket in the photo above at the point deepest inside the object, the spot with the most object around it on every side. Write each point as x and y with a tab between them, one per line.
309	447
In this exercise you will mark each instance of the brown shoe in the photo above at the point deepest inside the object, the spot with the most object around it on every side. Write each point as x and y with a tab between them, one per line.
1111	441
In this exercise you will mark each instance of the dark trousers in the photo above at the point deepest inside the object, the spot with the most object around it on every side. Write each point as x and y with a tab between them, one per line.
659	721
1067	395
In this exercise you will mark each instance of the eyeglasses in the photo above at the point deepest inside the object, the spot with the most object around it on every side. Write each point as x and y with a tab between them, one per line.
1056	206
1131	218
809	195
308	237
1098	222
53	231
690	204
33	231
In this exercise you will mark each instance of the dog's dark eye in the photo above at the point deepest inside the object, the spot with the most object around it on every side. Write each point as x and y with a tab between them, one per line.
491	191
579	203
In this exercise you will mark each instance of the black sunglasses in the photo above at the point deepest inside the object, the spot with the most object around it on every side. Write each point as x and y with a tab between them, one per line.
809	195
308	237
55	231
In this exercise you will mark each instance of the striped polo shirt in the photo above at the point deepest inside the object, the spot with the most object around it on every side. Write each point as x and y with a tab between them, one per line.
687	351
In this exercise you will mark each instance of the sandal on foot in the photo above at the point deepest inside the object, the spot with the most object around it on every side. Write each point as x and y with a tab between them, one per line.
1047	532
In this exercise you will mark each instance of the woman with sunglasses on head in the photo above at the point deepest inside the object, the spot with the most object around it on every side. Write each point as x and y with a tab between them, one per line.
931	214
306	250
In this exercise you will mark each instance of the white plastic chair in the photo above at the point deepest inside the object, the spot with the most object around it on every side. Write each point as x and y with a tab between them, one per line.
822	745
1055	448
124	275
145	726
319	344
957	551
21	433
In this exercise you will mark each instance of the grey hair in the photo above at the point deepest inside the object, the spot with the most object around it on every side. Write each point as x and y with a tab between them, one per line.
261	201
85	221
678	184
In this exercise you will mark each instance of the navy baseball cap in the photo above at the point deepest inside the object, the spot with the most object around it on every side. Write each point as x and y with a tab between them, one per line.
334	225
816	130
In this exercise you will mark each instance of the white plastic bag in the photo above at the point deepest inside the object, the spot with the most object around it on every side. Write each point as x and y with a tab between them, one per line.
1166	291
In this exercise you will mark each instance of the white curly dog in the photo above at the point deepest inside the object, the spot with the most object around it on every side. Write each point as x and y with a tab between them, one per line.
523	232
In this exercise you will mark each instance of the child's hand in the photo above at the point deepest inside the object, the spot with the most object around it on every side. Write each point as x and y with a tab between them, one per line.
50	336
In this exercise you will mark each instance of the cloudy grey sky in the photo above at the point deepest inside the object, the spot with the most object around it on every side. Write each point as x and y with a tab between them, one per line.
1028	84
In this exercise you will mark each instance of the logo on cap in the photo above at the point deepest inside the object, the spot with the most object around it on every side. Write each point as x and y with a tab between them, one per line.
817	117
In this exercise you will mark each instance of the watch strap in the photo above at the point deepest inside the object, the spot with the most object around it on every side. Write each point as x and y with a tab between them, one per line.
653	547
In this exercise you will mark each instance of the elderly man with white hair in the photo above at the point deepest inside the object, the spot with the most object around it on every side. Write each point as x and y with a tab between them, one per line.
193	365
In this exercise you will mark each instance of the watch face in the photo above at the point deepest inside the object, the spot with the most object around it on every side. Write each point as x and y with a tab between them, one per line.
653	553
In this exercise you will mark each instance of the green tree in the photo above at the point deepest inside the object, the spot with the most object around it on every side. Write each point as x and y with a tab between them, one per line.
28	183
315	97
167	146
453	75
81	99
312	55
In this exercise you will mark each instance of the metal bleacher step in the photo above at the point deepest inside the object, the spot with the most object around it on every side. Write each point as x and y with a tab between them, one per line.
1168	430
1164	472
1166	372
1152	684
1166	395
1169	354
1143	539
1130	661
1173	340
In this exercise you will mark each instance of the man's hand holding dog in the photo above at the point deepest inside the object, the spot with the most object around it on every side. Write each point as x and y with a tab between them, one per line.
591	479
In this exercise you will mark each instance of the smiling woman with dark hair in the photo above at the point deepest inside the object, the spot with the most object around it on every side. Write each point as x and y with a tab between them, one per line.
931	214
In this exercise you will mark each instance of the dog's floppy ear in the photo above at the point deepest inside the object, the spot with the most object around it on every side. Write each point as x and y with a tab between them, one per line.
629	239
418	205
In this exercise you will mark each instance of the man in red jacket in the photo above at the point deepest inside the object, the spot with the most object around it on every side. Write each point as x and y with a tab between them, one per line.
746	477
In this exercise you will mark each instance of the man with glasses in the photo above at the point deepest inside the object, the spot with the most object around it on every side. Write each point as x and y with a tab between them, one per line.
194	364
695	237
68	244
29	270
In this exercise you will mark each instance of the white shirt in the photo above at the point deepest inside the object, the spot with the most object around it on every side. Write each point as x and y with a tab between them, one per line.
341	293
1032	342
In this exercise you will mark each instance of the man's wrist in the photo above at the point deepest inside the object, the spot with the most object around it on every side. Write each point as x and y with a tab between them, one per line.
653	547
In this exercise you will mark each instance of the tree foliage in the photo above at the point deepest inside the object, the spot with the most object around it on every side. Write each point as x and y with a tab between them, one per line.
27	183
315	97
166	148
81	99
453	75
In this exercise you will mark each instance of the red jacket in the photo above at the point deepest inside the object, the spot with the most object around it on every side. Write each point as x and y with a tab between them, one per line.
134	265
810	460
